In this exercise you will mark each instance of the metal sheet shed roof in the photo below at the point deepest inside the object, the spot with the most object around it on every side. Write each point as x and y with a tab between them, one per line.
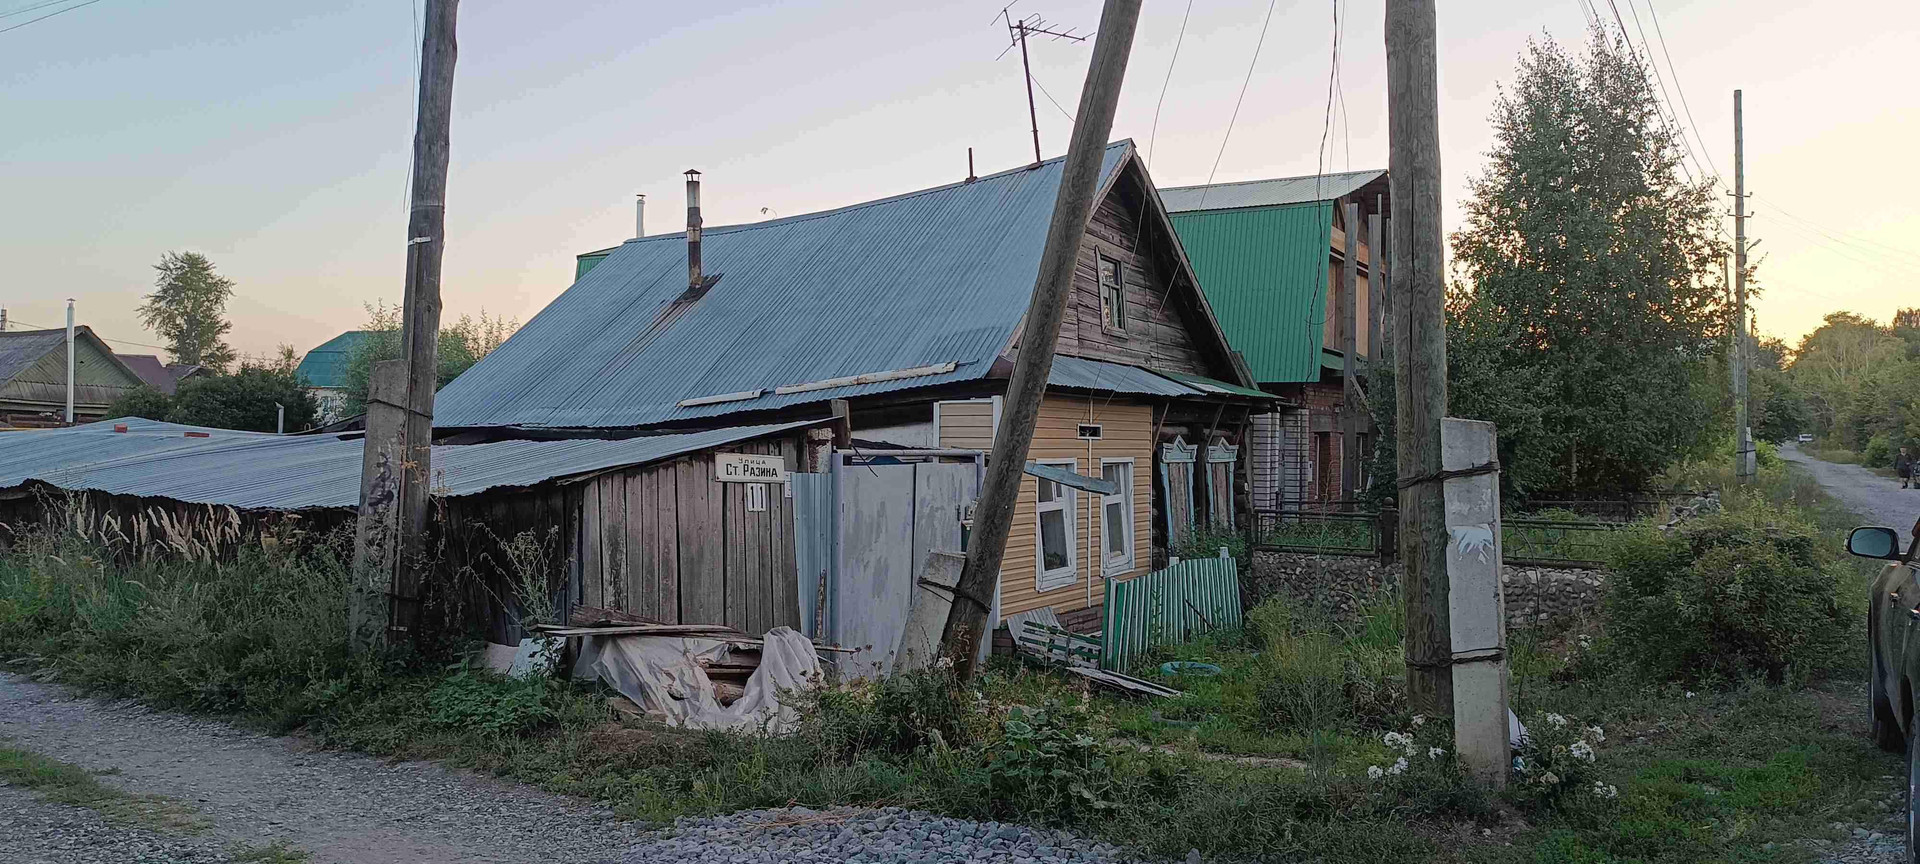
1266	193
297	472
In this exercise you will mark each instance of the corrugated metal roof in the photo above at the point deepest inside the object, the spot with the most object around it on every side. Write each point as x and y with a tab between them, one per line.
326	364
1113	377
252	470
21	349
931	277
1266	193
1264	271
1216	387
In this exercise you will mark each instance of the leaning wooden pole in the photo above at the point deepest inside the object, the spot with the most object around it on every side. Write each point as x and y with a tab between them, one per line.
1080	177
1419	347
389	576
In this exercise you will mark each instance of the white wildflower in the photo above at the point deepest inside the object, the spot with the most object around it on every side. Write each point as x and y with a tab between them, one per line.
1419	719
943	663
1374	772
1556	720
1582	750
1549	778
1397	739
1602	790
1399	767
1436	752
1594	733
1689	694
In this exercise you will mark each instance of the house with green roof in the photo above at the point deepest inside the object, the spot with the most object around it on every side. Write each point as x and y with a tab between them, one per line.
325	370
1269	255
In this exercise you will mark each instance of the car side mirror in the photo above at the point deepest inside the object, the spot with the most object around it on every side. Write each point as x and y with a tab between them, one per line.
1868	542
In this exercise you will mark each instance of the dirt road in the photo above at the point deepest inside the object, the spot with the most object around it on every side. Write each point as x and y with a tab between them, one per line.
1879	500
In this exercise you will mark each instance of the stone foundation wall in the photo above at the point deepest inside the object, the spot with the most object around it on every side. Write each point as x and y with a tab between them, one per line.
1339	586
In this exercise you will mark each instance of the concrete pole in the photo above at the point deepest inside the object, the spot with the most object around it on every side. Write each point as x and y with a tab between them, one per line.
1080	176
1476	600
1419	345
70	363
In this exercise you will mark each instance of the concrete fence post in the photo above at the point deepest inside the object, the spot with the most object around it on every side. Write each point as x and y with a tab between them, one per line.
1475	602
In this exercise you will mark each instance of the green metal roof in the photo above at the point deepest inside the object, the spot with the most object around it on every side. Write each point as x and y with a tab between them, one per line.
1211	385
1264	270
326	366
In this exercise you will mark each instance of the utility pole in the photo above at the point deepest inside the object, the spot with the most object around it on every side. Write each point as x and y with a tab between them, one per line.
1017	31
1350	366
1376	284
1742	436
993	517
70	365
387	566
1419	347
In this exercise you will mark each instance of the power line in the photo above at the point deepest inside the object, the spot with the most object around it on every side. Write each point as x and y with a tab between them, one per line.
1154	136
25	9
1664	95
1326	118
1846	236
1262	41
1704	149
46	16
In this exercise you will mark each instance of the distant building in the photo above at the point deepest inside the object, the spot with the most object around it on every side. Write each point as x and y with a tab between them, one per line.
33	377
164	377
325	371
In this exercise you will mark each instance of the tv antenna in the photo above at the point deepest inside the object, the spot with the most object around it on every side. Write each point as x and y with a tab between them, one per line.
1017	32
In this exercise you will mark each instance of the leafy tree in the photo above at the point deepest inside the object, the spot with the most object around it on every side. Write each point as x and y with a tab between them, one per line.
245	399
144	402
462	344
1590	320
1859	382
188	308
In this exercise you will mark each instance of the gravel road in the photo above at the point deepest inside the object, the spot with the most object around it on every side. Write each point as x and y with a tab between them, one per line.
1877	499
255	790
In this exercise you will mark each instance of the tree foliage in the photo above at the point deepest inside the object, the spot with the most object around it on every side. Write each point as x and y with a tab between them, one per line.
1858	380
188	309
1592	309
245	399
462	344
144	402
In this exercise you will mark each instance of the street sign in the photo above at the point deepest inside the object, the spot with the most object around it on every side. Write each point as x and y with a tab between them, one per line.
749	468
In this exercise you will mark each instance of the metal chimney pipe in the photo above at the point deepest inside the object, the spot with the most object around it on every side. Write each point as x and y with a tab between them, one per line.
693	229
640	215
69	361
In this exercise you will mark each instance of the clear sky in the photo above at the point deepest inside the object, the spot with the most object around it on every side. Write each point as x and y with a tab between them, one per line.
274	137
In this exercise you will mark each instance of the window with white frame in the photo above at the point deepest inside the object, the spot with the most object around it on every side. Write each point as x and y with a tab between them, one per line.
1116	518
1054	547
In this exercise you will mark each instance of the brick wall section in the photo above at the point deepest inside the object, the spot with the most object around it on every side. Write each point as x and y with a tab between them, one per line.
1321	401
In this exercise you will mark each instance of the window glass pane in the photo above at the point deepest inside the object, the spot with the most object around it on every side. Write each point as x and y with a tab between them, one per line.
1115	473
1115	529
1053	539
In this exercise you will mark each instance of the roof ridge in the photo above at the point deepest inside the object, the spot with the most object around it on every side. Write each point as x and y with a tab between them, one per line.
1272	180
860	205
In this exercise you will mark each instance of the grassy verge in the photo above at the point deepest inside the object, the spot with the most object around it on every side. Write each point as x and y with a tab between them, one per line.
65	783
1292	753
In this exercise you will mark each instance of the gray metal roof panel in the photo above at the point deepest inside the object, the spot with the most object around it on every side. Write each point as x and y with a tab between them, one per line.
272	472
1085	374
21	349
931	277
1266	193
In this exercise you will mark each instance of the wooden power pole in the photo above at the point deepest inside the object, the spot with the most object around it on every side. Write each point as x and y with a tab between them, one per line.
1742	436
1350	365
993	517
397	472
1419	347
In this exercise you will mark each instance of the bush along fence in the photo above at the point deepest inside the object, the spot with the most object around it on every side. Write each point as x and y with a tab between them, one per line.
1557	539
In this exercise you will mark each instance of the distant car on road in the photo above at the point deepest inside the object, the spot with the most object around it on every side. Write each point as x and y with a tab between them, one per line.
1805	438
1893	634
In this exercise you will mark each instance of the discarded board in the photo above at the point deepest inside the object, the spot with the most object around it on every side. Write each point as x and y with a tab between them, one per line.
1039	636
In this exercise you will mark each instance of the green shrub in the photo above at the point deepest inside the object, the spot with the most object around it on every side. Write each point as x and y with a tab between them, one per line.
899	714
1748	592
1050	766
1323	677
1556	762
1205	542
495	705
1879	451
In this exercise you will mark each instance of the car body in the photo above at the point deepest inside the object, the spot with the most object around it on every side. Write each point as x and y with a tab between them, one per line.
1893	634
1805	438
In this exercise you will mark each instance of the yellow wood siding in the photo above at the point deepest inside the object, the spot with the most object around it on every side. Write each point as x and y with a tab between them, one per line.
967	425
1127	432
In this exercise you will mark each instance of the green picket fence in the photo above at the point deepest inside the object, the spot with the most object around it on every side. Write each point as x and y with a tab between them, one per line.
1169	606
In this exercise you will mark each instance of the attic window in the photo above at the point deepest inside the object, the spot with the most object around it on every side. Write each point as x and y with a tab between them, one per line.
1113	296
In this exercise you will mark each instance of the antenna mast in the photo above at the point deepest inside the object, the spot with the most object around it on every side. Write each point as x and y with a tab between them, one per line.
1017	35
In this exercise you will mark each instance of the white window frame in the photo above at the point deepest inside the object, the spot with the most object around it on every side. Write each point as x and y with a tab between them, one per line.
1116	565
1045	580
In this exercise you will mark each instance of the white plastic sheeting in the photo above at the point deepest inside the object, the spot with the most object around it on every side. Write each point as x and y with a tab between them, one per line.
664	676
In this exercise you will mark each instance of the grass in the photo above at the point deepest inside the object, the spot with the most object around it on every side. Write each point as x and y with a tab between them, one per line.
1267	761
66	783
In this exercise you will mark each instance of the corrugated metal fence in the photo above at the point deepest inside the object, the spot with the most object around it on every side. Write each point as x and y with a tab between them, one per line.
1166	606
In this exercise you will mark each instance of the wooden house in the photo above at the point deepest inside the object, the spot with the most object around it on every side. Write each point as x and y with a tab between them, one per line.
33	377
907	311
1270	256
